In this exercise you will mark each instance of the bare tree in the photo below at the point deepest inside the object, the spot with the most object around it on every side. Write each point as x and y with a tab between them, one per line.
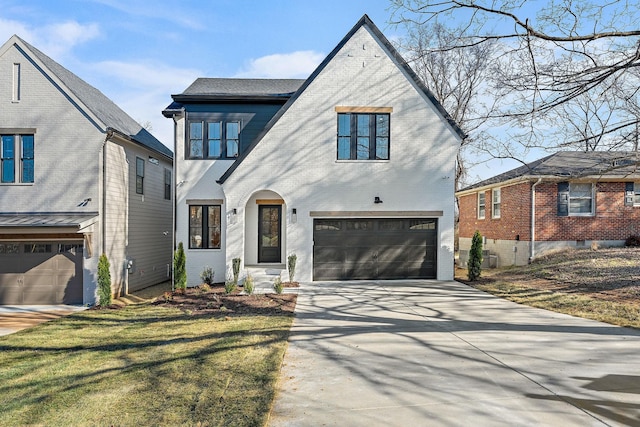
456	77
558	60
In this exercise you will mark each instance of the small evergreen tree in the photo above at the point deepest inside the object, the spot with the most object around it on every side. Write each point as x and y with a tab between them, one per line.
474	265
104	281
291	263
235	266
179	268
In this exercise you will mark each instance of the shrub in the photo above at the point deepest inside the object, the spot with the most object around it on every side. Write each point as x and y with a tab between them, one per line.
633	240
207	276
229	287
179	268
104	281
205	288
291	264
235	264
277	285
249	285
474	265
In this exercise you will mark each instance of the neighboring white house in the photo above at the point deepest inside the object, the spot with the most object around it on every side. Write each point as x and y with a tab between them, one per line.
351	169
78	177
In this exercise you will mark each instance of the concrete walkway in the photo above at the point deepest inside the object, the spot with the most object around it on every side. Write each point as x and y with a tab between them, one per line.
427	353
14	318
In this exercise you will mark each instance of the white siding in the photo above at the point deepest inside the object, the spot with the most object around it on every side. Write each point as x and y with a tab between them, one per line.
297	158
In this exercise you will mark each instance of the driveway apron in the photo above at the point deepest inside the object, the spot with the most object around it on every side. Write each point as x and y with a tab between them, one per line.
414	353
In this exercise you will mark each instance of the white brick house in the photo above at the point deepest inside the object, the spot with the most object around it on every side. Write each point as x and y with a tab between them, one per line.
351	169
78	178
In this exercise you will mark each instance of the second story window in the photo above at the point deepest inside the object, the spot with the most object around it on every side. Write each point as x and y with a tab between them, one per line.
213	139
139	175
363	136
12	148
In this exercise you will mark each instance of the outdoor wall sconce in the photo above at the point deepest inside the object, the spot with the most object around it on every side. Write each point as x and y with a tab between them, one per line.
85	202
377	200
294	215
234	215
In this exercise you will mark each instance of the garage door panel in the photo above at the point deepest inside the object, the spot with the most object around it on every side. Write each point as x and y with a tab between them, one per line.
375	249
42	278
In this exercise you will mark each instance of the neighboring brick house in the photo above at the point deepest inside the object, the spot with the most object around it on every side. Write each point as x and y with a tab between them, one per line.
351	169
78	178
575	198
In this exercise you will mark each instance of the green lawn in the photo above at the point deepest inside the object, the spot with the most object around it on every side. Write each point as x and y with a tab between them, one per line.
142	365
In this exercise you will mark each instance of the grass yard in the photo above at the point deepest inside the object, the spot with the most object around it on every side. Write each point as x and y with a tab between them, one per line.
602	285
143	365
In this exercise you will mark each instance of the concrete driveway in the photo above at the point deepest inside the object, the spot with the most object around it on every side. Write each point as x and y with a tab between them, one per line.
427	353
14	318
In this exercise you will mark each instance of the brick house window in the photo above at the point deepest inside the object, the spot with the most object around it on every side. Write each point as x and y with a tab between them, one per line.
496	198
575	199
204	227
481	205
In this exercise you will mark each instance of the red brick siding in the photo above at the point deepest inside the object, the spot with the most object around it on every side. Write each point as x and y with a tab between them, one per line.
515	214
612	221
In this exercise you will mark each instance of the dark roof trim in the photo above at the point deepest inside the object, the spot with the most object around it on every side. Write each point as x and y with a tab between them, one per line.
364	21
195	99
135	141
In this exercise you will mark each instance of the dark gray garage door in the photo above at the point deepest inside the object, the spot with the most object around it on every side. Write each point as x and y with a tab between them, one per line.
40	273
374	248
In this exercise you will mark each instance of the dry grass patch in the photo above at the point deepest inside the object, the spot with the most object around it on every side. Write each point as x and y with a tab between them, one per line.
603	285
143	365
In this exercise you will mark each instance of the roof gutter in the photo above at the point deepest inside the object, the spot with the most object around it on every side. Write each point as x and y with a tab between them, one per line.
112	131
532	250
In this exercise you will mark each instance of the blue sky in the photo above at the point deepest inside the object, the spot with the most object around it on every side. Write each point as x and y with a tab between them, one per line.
139	52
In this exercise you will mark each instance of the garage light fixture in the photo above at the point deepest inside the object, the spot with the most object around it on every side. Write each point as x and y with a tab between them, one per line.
377	200
294	215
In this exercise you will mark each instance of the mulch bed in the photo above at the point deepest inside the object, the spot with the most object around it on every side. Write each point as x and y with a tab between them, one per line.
214	301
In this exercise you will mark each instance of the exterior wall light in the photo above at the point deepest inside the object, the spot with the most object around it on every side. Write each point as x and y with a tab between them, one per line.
377	200
294	215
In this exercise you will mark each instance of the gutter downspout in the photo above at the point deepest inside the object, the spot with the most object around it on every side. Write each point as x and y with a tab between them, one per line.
532	250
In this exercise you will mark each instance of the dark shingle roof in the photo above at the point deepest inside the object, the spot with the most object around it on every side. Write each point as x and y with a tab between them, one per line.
243	87
572	164
102	107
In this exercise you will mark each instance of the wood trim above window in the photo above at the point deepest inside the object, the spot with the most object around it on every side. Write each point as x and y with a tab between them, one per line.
204	202
340	109
269	202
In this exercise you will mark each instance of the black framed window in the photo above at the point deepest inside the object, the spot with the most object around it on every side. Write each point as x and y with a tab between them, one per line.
217	139
363	136
167	184
139	175
204	226
14	148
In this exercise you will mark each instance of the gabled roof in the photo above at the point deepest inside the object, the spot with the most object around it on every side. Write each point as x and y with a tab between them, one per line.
96	103
365	21
571	165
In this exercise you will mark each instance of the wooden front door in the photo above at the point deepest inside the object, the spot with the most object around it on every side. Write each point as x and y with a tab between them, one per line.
269	233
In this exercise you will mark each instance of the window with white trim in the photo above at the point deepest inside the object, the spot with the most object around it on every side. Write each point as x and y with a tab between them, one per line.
496	201
481	205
